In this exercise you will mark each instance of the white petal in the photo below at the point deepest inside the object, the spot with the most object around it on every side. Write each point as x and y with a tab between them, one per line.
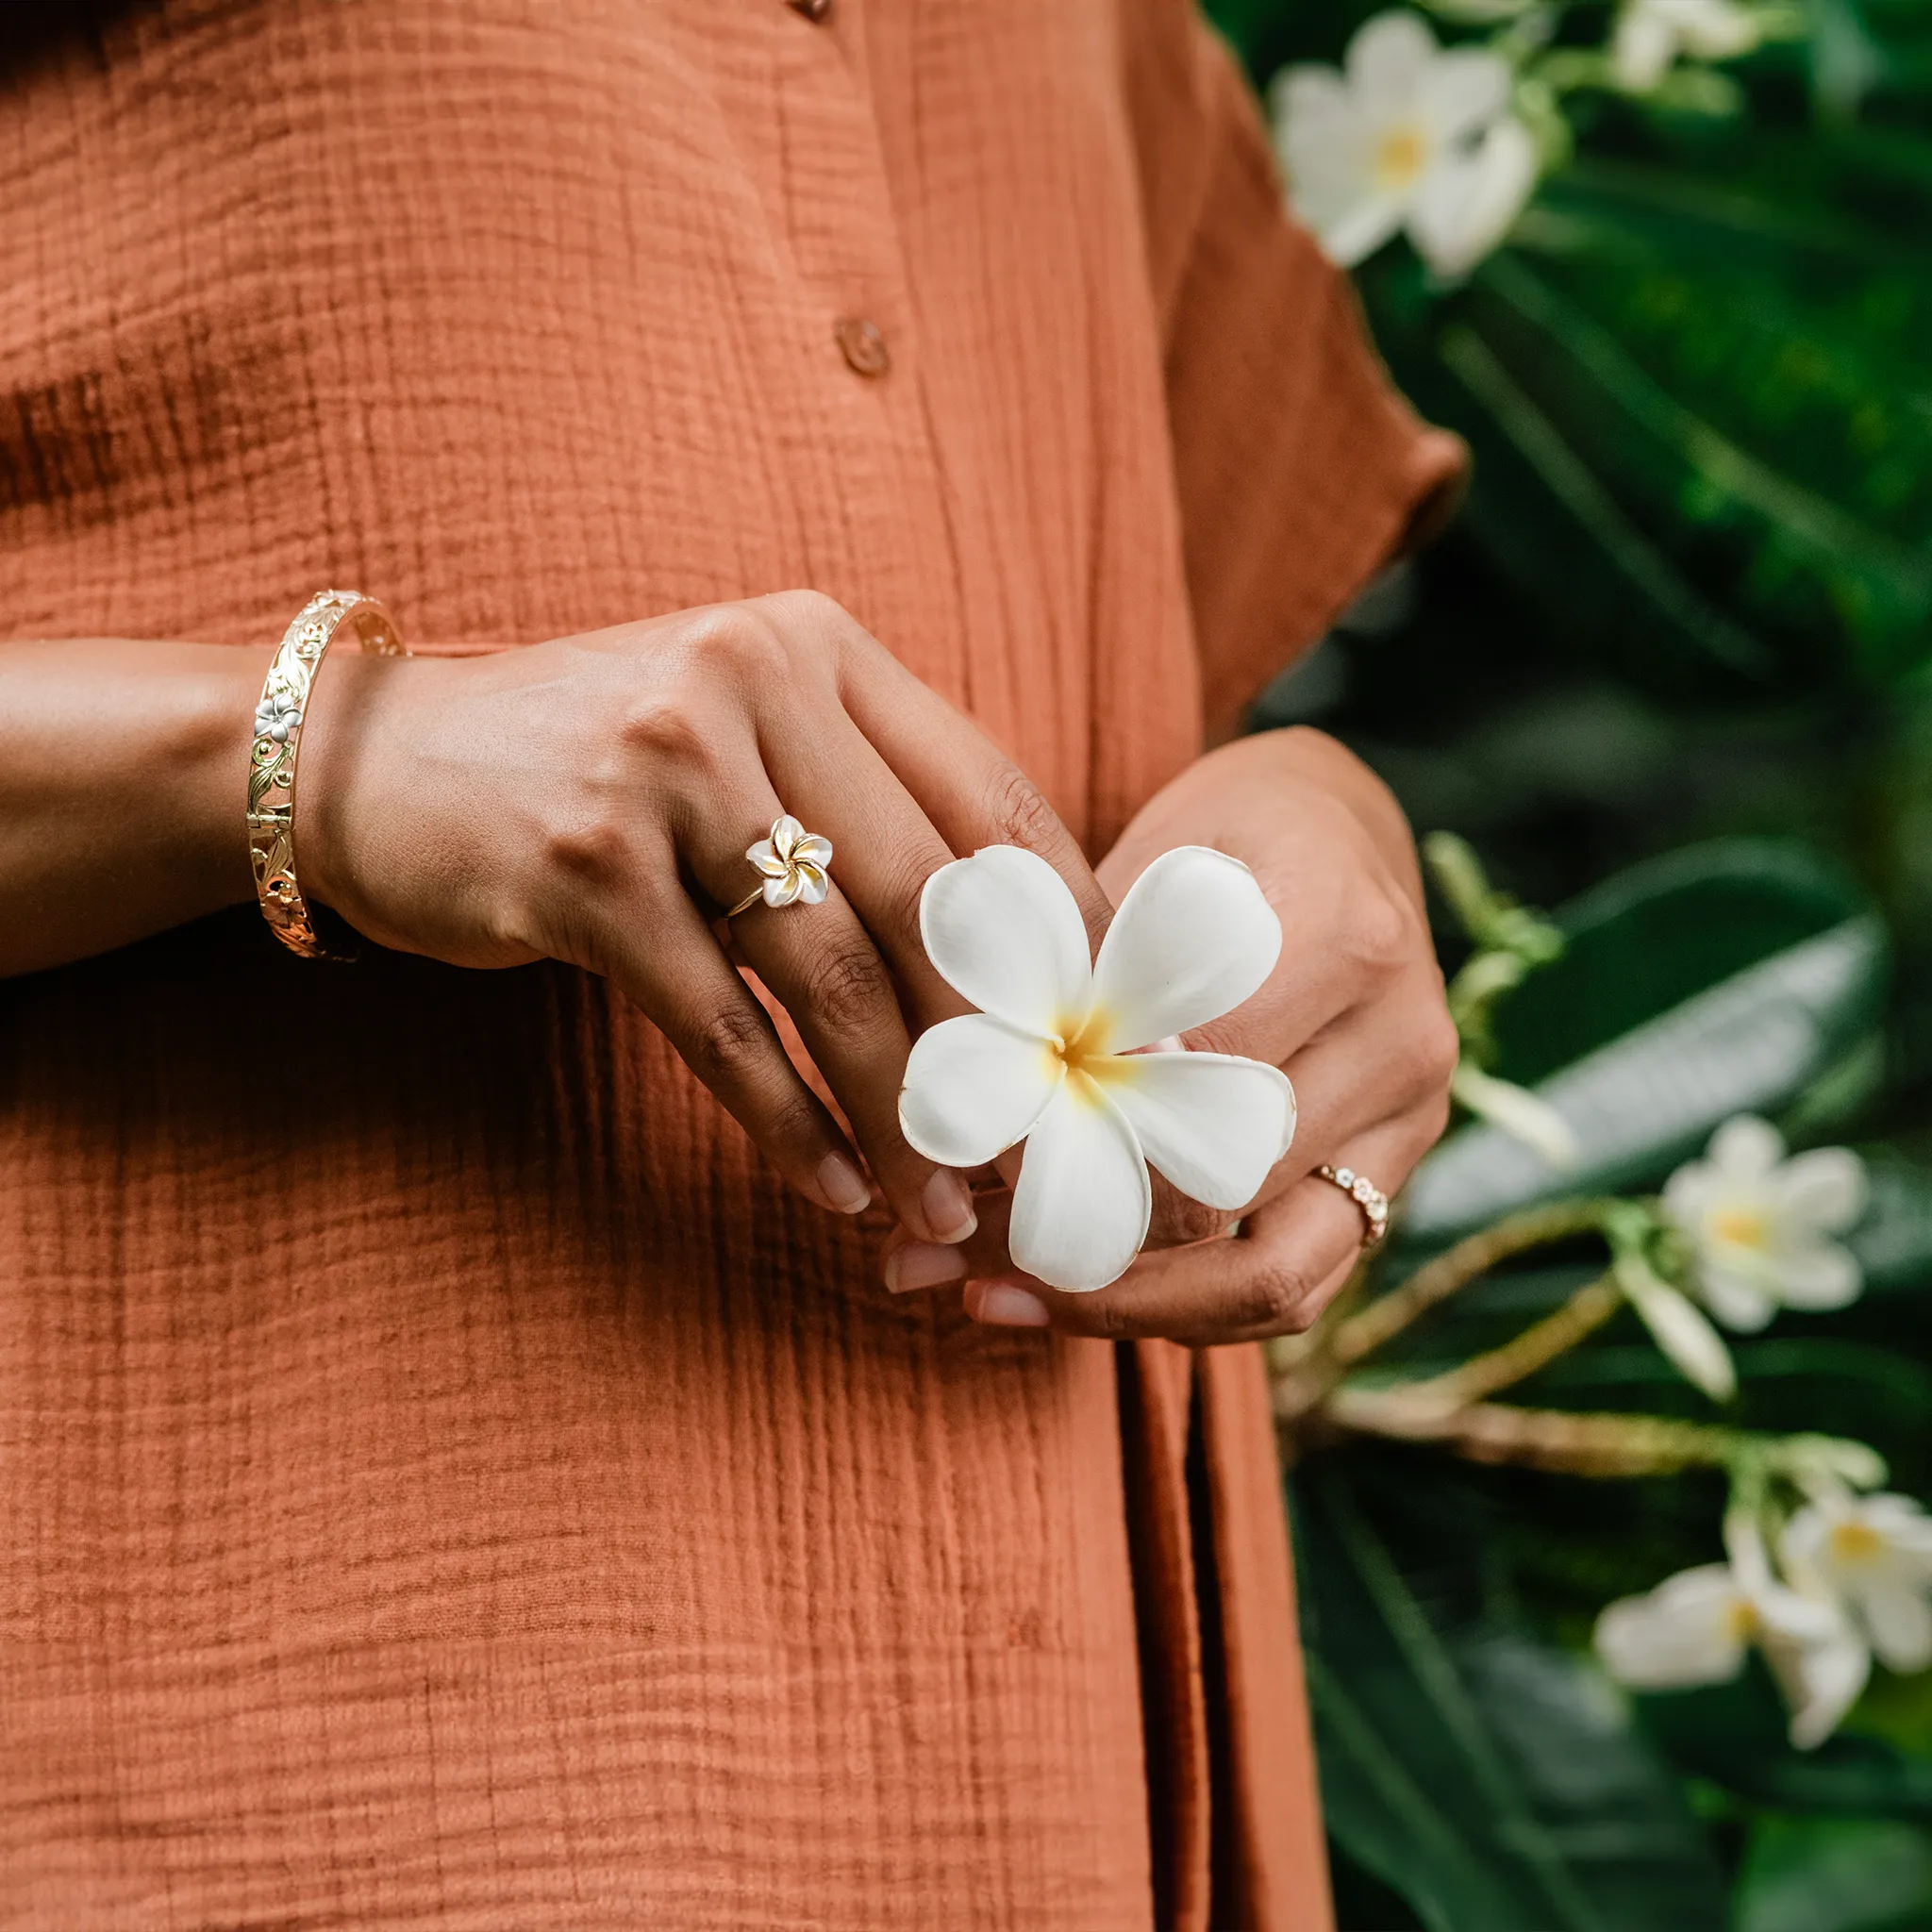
1081	1205
973	1087
1826	1187
766	859
1642	47
813	884
1386	61
1193	938
1747	1148
1468	201
786	833
1688	1630
1821	1277
1463	90
1736	1300
1212	1122
1716	31
1820	1681
813	850
1679	1328
1355	232
1897	1620
782	890
1522	1115
1003	929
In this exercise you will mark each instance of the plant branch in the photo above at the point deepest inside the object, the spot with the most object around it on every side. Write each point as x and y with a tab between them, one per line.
1585	1311
1558	1439
1382	1320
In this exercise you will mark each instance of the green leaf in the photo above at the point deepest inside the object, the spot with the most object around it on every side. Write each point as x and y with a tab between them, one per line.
1494	1783
1828	1875
1721	980
1893	1243
1734	1735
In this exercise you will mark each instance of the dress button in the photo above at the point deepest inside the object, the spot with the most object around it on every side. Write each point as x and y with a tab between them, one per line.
863	346
812	10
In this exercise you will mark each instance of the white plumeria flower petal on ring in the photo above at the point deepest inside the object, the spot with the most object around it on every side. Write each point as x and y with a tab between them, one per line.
1055	1057
792	862
1761	1228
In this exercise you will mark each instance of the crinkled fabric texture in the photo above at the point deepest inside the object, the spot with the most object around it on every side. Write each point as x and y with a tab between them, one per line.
448	1482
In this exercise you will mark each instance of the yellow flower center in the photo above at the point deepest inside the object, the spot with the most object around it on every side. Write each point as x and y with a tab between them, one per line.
1399	157
1077	1045
1742	1228
1742	1620
1855	1543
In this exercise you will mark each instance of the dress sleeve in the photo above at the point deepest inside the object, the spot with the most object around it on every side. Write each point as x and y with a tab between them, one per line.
1299	470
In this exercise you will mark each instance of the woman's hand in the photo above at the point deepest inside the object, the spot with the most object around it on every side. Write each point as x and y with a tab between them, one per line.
590	800
1354	1013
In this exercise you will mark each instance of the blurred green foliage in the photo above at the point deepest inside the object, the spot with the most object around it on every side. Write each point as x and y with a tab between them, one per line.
1671	673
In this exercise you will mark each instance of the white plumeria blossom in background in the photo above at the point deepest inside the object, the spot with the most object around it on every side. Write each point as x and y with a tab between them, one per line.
1874	1553
1410	135
1761	1228
1052	1057
1679	1327
1696	1627
792	862
1651	33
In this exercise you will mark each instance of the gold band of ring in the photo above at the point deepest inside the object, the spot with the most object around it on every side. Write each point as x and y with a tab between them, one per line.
1367	1196
272	759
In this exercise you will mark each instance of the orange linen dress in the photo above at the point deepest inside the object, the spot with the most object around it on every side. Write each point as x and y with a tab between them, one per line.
448	1481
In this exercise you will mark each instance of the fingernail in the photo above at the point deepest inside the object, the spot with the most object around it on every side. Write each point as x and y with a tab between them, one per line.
1003	1306
947	1207
923	1264
843	1184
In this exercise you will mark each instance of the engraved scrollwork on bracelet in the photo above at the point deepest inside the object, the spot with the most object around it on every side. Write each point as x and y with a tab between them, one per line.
277	746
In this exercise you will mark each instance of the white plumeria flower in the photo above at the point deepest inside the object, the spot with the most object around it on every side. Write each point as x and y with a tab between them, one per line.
1052	1056
793	862
1411	134
1760	1226
1650	35
1874	1555
277	716
1696	1627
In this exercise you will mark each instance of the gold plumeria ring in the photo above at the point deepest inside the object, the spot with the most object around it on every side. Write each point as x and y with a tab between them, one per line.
1366	1196
794	867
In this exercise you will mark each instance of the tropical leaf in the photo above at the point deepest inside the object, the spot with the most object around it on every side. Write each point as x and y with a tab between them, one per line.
1493	1782
1829	1874
1721	980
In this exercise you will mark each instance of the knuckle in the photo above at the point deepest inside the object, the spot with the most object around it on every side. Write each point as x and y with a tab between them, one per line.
1279	1297
1380	930
739	641
1185	1221
594	852
1438	1047
846	988
661	731
812	612
724	1044
1018	814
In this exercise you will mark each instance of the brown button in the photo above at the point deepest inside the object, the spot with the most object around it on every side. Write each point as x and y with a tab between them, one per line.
863	346
812	10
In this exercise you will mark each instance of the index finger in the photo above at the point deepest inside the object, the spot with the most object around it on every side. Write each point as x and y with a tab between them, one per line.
974	794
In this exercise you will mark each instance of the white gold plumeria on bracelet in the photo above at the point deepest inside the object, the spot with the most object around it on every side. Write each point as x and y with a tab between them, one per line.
794	867
1366	1196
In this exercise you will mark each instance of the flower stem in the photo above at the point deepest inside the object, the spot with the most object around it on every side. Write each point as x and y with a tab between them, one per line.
1382	1320
1585	1311
1558	1439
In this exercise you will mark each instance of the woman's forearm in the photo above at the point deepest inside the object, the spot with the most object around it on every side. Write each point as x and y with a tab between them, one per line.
122	789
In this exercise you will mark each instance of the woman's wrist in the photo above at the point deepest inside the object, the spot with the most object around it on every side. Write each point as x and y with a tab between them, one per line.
122	789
